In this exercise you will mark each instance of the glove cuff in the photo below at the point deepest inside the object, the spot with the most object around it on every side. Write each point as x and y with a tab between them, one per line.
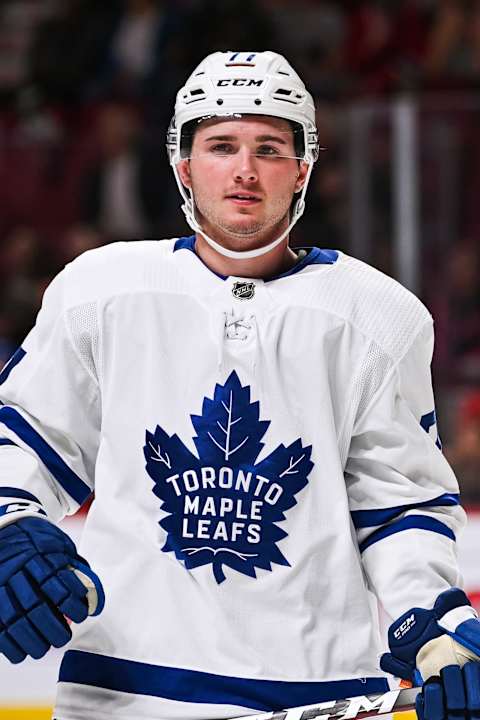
16	504
452	619
452	599
27	513
95	592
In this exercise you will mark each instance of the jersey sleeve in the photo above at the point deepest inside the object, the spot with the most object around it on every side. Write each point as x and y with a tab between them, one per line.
403	495
49	414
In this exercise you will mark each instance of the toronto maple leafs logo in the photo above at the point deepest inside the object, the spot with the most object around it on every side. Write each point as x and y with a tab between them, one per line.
221	507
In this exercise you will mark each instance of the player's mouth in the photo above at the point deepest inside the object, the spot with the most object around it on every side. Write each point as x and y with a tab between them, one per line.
243	199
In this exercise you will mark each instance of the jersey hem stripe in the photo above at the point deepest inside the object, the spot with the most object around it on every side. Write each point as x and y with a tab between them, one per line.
65	476
193	686
412	522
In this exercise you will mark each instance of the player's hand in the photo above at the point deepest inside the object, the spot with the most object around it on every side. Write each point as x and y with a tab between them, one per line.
440	650
43	582
455	693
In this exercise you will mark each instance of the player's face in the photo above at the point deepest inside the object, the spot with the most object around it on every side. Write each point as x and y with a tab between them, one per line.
243	174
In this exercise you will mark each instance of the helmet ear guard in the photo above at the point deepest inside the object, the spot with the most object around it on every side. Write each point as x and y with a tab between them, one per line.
230	85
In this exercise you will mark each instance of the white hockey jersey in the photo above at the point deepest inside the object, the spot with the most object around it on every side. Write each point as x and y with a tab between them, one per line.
264	458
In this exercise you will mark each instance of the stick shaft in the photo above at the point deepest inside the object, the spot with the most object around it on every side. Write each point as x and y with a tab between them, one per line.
362	706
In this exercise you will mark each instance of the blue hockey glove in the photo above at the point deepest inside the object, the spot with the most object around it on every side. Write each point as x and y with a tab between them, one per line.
439	649
43	581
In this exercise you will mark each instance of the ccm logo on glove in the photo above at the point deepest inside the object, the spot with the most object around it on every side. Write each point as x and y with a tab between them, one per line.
405	626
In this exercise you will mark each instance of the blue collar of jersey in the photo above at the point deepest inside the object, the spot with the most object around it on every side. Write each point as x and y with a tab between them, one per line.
314	256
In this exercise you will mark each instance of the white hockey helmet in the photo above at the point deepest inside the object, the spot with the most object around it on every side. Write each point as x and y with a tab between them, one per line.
232	84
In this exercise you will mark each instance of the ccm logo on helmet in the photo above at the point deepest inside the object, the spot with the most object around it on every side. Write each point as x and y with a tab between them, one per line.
239	82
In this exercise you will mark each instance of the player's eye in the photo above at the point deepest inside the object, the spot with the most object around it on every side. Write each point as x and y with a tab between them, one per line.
222	149
267	151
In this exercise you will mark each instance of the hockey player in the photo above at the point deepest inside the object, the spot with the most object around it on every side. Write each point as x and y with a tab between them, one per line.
258	426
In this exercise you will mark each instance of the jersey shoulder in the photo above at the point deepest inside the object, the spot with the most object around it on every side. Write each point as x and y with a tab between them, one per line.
118	268
374	303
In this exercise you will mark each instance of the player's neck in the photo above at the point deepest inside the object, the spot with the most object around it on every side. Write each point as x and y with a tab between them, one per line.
279	260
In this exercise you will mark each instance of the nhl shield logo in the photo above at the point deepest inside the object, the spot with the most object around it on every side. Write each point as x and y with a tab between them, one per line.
243	290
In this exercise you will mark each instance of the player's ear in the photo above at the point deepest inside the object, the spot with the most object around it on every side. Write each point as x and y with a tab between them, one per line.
302	174
183	169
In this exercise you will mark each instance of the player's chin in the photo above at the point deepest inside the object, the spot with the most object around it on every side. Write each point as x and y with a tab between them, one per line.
243	229
243	224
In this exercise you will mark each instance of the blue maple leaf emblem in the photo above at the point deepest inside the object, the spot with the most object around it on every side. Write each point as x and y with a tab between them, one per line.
221	507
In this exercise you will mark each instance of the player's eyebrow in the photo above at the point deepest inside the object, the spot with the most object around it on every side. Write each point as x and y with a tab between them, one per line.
270	138
259	138
226	138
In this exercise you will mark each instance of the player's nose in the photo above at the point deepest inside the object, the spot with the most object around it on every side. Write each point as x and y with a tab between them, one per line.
245	166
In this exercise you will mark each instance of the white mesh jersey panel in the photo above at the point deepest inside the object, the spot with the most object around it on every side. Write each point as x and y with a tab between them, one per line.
371	373
83	324
374	303
124	267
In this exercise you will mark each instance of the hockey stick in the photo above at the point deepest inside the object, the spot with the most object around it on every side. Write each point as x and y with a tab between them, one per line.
362	706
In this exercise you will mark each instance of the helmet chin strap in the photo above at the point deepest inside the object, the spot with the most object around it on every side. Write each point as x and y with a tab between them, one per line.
189	209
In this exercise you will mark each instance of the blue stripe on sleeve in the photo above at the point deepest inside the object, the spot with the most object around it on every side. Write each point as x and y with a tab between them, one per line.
6	441
14	360
65	476
192	686
18	494
411	522
372	518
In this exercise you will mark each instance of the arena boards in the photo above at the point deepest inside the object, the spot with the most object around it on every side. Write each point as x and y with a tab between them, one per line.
26	713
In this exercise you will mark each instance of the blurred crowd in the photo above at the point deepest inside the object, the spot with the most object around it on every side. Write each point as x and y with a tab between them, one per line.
87	92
